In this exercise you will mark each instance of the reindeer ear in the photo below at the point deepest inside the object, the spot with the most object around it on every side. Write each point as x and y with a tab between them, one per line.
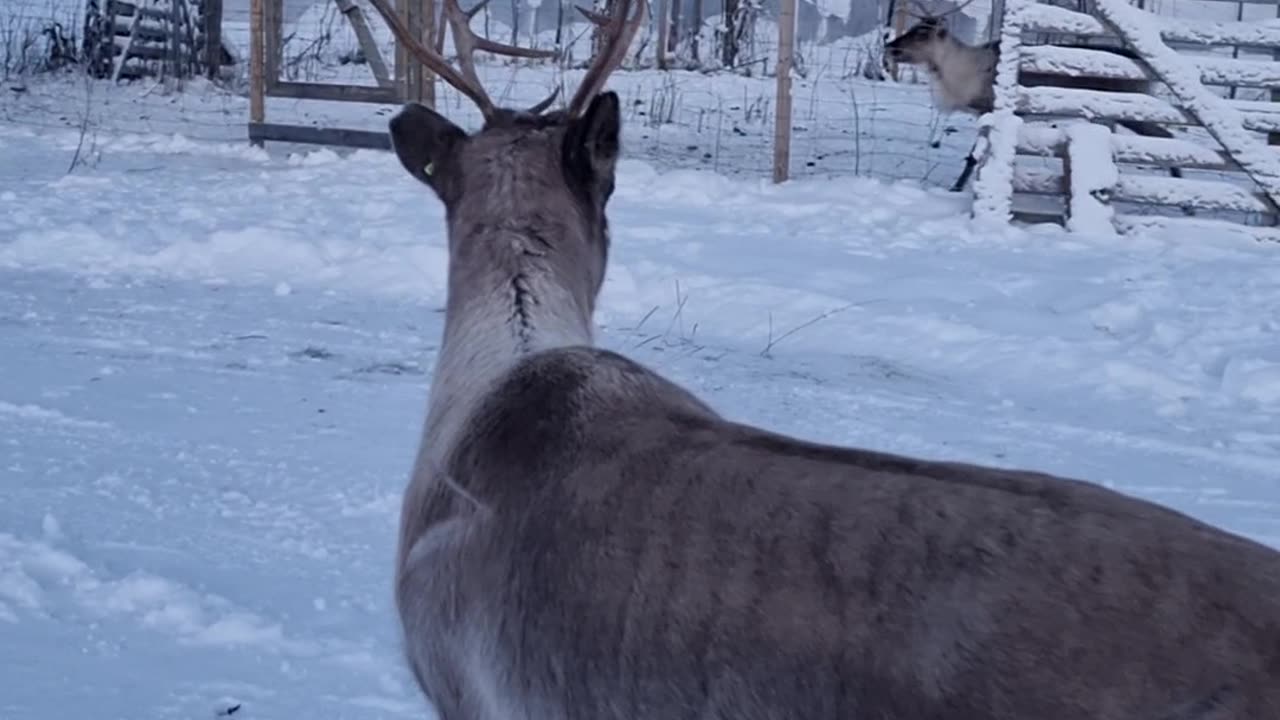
595	135
593	142
426	141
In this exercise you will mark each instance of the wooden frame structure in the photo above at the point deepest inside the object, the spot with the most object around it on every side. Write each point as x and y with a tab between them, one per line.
1231	174
412	82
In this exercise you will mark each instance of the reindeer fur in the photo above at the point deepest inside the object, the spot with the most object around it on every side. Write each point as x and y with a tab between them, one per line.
583	539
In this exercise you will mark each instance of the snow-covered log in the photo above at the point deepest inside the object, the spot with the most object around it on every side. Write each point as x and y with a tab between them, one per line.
1045	141
1053	19
1070	61
1184	226
1091	178
1098	104
1146	190
1203	194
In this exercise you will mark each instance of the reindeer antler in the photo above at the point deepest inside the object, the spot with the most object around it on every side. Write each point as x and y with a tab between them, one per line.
466	42
619	32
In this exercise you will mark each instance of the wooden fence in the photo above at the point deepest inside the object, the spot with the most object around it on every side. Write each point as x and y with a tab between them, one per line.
406	81
1050	153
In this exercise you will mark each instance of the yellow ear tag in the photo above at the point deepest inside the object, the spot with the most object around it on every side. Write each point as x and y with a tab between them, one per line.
429	168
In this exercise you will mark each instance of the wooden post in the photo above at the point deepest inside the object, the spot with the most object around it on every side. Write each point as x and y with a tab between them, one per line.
413	73
1273	138
901	11
273	41
428	32
257	81
402	55
664	32
782	118
211	19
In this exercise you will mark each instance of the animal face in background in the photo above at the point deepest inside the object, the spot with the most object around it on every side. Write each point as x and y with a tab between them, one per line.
918	43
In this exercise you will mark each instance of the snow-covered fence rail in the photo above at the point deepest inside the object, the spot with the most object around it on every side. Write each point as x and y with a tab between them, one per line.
1218	146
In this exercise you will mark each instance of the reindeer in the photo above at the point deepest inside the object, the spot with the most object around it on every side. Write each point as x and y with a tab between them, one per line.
582	538
964	75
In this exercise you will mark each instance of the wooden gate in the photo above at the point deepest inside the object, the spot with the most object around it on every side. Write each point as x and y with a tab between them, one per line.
411	81
1050	152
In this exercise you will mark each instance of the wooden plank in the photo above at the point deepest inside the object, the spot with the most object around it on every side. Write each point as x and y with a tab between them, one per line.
782	103
1096	104
334	92
336	137
1051	19
1074	62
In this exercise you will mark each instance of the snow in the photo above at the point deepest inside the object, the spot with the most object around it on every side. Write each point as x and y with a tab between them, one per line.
215	362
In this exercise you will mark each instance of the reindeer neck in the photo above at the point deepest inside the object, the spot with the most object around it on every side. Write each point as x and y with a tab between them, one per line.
963	75
509	295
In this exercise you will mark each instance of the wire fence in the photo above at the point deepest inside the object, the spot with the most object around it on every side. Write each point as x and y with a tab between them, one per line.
712	107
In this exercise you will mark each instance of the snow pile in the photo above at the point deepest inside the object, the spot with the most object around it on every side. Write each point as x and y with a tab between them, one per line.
36	577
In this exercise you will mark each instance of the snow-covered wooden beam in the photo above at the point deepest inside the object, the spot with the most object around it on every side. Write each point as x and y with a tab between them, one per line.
1074	62
1044	141
1149	190
1217	230
1092	176
1053	19
993	184
1097	104
1182	192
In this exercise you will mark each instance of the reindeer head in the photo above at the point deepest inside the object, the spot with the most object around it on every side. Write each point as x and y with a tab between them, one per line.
918	44
921	42
527	170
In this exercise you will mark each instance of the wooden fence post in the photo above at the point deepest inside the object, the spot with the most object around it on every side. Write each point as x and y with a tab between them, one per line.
664	32
212	19
782	118
257	49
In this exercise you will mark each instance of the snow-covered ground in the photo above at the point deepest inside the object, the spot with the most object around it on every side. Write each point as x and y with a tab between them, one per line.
214	362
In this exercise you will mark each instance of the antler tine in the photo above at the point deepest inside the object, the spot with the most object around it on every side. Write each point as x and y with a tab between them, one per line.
466	42
619	32
464	78
432	59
